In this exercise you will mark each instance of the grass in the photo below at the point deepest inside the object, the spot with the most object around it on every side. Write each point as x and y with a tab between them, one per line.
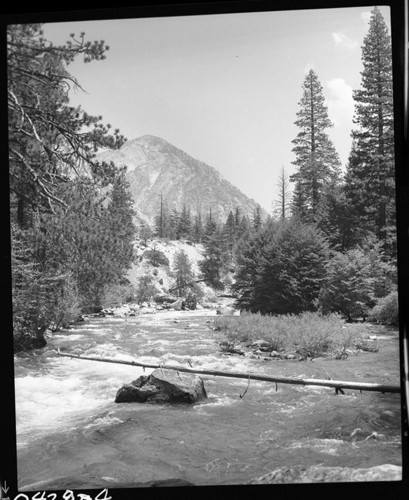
309	334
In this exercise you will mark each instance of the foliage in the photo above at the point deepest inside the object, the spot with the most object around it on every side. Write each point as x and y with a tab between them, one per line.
71	216
281	270
49	141
309	334
256	222
146	289
354	281
184	224
370	171
215	263
249	254
317	162
145	232
230	234
183	274
334	218
155	257
191	300
176	225
197	229
117	294
386	310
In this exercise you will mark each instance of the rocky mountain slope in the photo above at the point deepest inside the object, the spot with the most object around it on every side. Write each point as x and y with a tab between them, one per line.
162	275
156	168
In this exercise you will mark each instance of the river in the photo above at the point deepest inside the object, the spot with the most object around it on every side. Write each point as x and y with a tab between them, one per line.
71	433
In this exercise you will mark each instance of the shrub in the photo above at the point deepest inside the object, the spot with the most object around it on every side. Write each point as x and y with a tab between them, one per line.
191	300
309	334
386	311
355	279
281	269
155	257
68	307
146	289
117	294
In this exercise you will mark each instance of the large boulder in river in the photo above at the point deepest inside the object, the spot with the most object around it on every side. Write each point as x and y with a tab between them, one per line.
163	386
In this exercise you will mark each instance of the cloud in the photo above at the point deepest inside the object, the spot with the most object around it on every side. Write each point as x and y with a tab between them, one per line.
340	102
343	41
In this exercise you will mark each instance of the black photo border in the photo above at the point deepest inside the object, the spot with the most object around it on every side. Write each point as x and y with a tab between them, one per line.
93	10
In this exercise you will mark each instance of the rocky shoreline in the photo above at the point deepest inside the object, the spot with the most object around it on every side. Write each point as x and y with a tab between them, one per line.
257	349
261	349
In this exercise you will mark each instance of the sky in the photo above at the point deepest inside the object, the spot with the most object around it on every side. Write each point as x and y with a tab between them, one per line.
224	88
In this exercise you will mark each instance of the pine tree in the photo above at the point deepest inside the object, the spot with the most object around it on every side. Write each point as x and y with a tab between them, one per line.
243	227
197	231
237	217
281	269
160	219
216	258
47	140
370	171
316	159
121	227
183	274
257	222
282	205
210	226
145	232
172	225
230	233
59	229
336	221
184	224
247	274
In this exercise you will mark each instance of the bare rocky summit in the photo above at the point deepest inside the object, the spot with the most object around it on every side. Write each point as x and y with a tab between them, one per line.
156	168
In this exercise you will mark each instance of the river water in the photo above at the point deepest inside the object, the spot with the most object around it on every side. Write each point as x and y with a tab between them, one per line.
71	433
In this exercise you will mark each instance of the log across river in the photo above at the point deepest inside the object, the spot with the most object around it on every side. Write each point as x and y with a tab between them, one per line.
338	385
71	433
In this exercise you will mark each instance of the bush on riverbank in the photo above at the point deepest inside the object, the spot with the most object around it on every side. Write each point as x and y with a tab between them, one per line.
118	294
386	311
309	334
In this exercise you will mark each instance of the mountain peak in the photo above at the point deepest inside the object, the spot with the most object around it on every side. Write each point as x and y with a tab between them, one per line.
150	139
152	143
158	170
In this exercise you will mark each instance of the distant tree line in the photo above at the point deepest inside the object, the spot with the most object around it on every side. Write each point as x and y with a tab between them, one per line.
219	238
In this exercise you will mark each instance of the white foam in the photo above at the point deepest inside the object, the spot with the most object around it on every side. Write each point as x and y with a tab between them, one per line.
73	389
327	446
224	400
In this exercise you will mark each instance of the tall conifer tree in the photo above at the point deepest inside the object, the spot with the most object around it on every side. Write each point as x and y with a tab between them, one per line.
370	172
317	161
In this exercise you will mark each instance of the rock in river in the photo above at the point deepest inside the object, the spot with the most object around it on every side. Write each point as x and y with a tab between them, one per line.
163	386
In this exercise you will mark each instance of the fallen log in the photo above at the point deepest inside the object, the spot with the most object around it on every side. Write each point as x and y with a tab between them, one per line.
338	385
